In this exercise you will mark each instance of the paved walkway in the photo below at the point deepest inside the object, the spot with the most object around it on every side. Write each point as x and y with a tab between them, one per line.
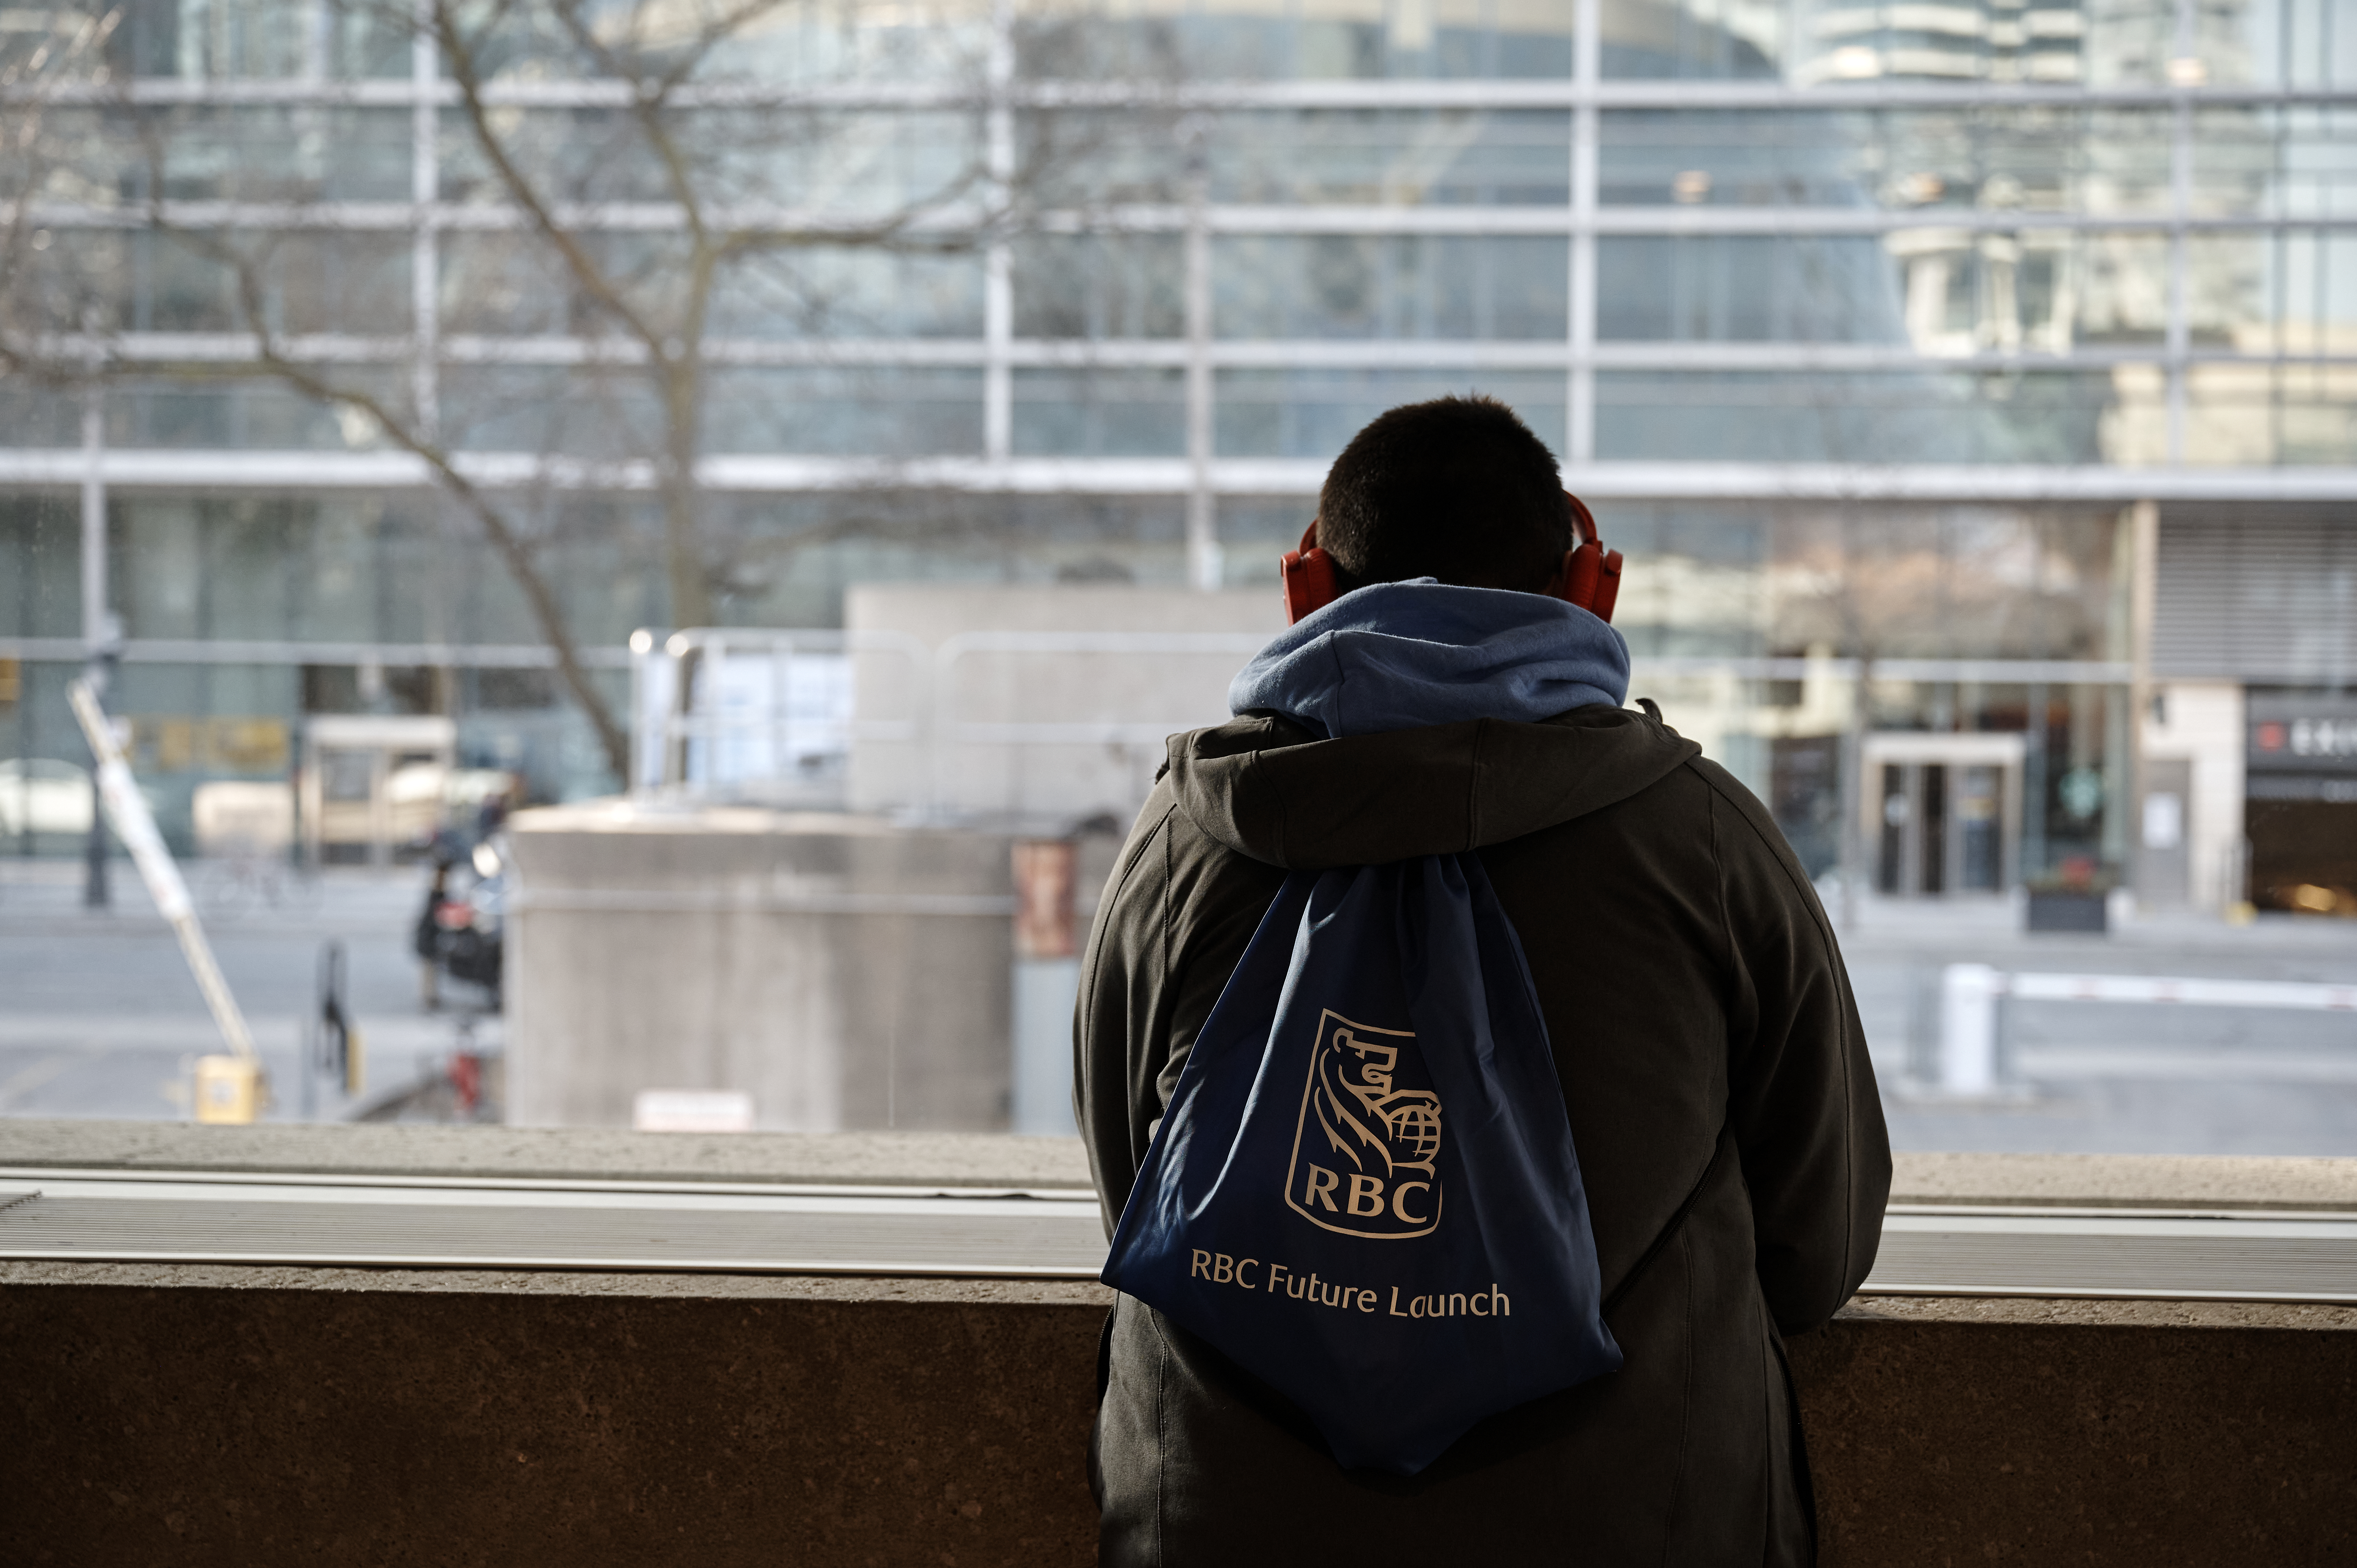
98	1016
102	1018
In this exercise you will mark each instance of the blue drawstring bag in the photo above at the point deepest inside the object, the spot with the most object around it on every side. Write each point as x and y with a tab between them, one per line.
1365	1190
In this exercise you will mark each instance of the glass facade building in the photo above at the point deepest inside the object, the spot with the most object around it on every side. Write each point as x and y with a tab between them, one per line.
1983	369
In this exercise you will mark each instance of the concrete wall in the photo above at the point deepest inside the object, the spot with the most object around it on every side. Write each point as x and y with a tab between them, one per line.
1146	694
2202	723
257	1417
843	972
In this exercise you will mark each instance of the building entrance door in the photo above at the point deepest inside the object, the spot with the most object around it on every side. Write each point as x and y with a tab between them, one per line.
1942	812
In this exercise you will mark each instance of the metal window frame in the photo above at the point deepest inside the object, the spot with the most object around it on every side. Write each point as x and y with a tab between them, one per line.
1759	484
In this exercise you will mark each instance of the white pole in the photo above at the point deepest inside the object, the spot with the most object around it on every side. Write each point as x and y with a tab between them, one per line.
1968	994
127	809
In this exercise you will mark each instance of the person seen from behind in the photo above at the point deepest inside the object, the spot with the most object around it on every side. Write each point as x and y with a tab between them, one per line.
1727	1130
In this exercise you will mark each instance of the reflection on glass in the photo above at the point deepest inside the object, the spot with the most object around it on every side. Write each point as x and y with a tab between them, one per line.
1708	39
221	152
140	280
1986	581
1448	157
1312	413
1860	417
231	413
1732	289
1101	412
260	38
1100	287
2037	159
1349	286
1946	292
2284	292
2265	414
889	411
1337	39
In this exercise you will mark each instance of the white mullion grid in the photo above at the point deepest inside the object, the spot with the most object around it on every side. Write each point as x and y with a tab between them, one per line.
997	267
2025	484
1405	94
1579	389
1169	353
1204	567
426	238
2180	204
359	217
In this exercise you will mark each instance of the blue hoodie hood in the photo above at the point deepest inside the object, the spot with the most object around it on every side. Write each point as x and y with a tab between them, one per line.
1394	656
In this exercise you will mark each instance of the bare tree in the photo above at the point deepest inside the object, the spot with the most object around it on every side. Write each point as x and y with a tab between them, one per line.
687	168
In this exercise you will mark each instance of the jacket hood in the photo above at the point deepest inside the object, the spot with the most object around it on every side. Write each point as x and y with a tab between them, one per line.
1269	789
1404	655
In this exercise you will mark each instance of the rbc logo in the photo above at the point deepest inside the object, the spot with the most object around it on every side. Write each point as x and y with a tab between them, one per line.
1363	1150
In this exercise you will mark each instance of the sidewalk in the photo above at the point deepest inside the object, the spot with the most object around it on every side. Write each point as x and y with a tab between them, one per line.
102	1017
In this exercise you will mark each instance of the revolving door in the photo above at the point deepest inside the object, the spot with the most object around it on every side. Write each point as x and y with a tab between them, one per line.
1942	812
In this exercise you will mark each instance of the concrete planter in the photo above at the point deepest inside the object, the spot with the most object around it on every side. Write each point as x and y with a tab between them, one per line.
2060	910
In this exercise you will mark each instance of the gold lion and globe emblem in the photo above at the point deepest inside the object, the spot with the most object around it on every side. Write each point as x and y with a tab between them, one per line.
1365	1150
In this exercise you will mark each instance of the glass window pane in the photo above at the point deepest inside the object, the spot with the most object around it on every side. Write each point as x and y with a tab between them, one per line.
221	411
148	281
1440	157
512	281
1313	413
1946	291
1879	417
218	153
2045	43
1725	288
877	162
40	564
1704	39
607	413
886	412
1168	39
2295	163
828	291
2262	415
1080	158
1987	580
1349	286
35	416
2037	159
2287	43
1100	286
800	42
1101	412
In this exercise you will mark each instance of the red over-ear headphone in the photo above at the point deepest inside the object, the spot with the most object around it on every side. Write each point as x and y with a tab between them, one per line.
1590	577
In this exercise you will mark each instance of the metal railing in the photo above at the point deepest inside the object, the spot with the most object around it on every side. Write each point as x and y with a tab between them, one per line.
1971	1021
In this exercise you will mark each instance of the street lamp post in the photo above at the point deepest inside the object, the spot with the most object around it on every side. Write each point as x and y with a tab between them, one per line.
96	894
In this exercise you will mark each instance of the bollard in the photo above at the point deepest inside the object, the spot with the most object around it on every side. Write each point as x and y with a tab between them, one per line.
1968	997
1047	985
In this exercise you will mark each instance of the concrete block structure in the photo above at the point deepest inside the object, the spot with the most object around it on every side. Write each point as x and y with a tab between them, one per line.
843	971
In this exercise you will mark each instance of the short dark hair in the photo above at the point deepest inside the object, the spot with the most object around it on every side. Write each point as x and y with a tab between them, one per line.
1457	489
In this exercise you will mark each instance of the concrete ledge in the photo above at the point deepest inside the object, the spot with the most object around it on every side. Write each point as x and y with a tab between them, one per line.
881	1159
977	1159
2140	1181
216	1414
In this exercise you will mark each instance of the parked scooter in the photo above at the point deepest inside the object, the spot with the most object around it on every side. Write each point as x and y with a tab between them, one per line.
458	932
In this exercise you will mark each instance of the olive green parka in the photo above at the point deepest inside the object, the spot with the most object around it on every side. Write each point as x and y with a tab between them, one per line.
1720	1098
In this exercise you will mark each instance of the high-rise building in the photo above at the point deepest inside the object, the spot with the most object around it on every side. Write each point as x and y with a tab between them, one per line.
1973	385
